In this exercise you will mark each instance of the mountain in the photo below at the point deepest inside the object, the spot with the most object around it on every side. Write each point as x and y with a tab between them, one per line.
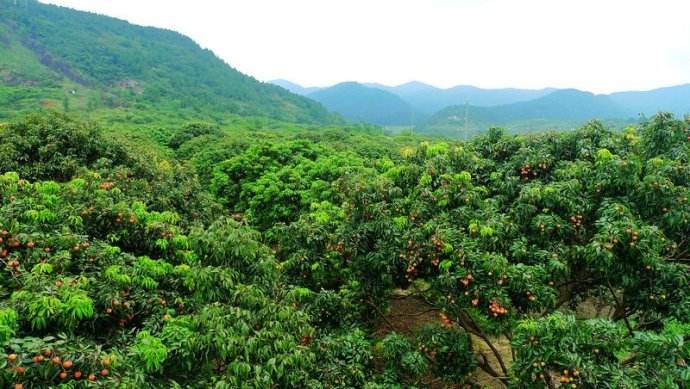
484	97
674	99
564	104
360	103
294	88
560	109
57	57
469	109
429	99
408	89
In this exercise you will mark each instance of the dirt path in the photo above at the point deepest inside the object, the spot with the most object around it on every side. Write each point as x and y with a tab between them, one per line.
503	346
406	313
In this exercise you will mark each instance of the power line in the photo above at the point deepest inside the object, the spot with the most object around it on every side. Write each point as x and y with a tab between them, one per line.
466	116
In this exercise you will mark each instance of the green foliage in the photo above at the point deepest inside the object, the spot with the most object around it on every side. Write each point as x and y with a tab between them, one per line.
53	146
596	353
82	62
450	352
150	350
274	268
446	352
40	362
191	132
8	324
345	360
244	252
403	362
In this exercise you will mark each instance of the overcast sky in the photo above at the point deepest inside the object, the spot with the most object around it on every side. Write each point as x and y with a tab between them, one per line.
595	45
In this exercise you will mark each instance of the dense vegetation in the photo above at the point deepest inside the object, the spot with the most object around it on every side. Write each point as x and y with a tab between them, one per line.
61	58
207	230
211	257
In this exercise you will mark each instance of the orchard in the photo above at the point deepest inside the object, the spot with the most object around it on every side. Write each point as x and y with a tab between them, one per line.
206	257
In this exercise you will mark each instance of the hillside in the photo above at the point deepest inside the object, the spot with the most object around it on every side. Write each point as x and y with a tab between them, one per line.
427	99
519	110
561	109
566	104
359	103
675	99
167	221
430	99
57	57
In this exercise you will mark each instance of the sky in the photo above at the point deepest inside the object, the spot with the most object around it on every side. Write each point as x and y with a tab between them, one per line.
596	45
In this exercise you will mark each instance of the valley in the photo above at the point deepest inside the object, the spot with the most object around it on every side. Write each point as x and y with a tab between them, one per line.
167	221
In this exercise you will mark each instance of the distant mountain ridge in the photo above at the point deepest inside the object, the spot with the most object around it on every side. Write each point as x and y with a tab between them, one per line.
294	88
563	104
558	110
565	108
470	108
360	103
675	99
429	99
56	57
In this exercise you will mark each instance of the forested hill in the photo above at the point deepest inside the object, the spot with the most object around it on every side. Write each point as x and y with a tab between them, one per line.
430	99
360	103
565	108
55	57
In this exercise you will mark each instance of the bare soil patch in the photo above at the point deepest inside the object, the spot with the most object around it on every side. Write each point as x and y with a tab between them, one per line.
409	312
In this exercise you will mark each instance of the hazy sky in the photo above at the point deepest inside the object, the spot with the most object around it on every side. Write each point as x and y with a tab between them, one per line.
596	45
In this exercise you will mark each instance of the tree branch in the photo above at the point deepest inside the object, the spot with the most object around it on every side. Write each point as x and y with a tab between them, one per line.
418	313
484	364
480	333
381	315
619	304
547	380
